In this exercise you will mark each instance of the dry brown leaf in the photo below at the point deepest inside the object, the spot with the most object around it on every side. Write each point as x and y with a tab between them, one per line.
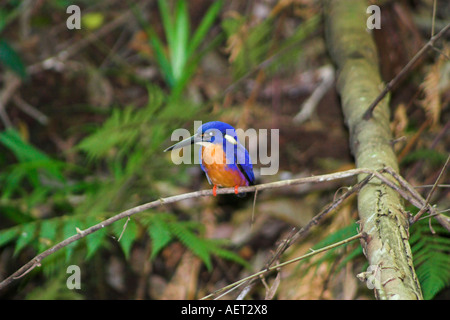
432	90
140	43
235	43
183	284
400	121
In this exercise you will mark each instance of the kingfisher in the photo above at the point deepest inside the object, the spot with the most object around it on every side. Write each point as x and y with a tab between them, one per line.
223	158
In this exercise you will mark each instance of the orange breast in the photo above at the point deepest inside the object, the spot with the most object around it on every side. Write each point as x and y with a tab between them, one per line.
221	174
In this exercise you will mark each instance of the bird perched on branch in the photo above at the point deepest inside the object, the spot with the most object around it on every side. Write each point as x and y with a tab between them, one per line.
224	160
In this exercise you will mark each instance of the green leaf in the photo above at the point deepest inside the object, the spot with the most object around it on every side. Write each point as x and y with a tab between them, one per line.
13	179
191	241
178	65
206	23
26	236
8	15
178	50
7	235
69	229
122	128
435	157
23	151
160	234
95	240
11	59
47	234
167	22
216	247
92	20
161	57
30	158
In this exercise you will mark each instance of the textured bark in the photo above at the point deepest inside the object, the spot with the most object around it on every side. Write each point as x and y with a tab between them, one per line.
381	210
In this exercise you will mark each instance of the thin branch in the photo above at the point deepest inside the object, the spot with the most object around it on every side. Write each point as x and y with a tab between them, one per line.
327	76
30	110
406	69
424	207
433	20
123	229
12	83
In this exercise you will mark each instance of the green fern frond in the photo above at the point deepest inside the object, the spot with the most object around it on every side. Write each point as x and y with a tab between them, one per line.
251	46
123	128
160	234
164	228
32	164
216	246
54	289
431	254
26	236
95	240
248	46
43	234
47	234
435	158
190	240
8	235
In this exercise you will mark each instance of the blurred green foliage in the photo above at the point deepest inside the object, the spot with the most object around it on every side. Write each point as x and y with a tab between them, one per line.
46	200
178	62
251	46
128	148
430	245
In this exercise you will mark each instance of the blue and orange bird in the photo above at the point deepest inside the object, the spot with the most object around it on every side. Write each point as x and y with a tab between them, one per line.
224	160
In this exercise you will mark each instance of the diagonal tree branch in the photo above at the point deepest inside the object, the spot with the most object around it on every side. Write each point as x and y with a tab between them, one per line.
381	211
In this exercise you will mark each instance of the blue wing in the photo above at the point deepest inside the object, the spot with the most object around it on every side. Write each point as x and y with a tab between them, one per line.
244	163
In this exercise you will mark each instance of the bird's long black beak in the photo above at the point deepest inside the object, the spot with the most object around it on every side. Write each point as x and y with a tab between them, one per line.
186	142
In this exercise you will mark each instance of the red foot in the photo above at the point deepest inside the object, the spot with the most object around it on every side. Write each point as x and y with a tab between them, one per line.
215	191
236	189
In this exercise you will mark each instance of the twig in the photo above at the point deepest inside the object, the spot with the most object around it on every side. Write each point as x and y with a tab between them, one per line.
254	205
424	207
123	229
442	134
308	107
30	110
416	199
12	83
430	44
432	185
433	20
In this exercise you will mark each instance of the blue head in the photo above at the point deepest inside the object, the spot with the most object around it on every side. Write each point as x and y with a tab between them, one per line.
217	132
